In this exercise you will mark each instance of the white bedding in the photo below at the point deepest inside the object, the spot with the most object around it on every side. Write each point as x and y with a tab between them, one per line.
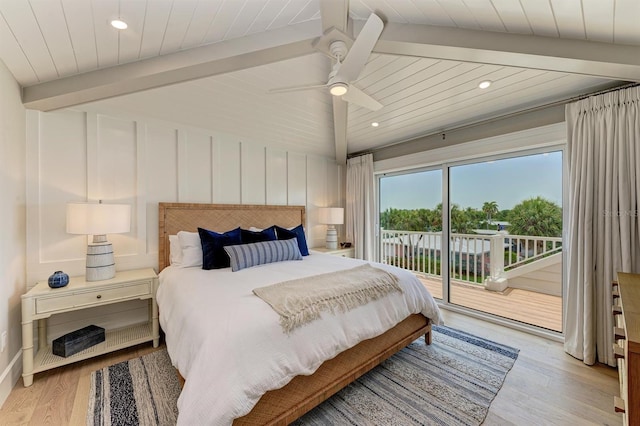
230	347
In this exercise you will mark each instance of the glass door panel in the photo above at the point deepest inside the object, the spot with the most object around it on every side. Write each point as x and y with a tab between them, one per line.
411	224
506	238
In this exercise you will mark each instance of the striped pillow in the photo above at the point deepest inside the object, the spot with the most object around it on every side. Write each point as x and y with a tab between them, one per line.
248	255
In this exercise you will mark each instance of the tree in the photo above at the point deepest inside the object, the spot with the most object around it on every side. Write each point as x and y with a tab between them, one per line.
536	217
490	208
460	221
406	220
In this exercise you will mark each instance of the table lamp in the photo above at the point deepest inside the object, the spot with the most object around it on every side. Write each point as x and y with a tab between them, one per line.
98	220
331	216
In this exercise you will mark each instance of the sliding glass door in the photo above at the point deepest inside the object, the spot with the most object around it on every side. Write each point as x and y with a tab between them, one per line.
501	239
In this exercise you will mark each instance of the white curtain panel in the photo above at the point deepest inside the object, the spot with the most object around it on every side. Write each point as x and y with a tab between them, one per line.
603	137
361	206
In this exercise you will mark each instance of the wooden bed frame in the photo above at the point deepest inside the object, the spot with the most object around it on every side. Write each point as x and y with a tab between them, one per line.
283	406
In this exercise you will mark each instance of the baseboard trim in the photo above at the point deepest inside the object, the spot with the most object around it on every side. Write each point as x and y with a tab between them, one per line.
10	376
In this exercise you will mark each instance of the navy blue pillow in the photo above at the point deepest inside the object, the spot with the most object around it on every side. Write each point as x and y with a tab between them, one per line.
249	237
297	232
213	244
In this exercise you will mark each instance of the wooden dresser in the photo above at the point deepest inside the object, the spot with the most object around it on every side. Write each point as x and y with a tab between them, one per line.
626	308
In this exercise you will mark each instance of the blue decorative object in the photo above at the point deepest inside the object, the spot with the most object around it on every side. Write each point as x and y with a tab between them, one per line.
58	279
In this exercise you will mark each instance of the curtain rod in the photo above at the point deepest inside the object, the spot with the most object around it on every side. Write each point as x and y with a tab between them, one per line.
601	92
502	117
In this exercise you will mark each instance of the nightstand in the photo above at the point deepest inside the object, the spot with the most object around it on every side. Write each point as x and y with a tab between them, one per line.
346	252
41	302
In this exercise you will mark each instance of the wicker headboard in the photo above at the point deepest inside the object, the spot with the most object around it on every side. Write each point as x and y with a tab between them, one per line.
174	217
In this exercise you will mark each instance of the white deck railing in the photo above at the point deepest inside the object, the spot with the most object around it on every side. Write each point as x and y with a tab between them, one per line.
474	258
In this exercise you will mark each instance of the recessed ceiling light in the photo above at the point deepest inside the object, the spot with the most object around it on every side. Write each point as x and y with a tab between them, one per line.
375	124
117	23
484	84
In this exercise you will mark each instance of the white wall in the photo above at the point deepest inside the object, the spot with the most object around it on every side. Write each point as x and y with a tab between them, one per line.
12	227
75	155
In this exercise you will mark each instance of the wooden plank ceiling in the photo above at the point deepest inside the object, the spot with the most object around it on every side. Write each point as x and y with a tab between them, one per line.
209	64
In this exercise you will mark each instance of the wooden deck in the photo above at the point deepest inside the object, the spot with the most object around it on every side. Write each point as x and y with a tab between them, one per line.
526	306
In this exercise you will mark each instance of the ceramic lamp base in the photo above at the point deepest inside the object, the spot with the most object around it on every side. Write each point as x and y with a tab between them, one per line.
332	238
100	262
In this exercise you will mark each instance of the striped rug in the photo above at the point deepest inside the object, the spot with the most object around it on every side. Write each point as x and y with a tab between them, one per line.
450	382
141	391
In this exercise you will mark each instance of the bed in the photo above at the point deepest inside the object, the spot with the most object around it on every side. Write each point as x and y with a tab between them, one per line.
301	393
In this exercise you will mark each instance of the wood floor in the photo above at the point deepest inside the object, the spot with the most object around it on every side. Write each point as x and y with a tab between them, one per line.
530	307
49	401
545	386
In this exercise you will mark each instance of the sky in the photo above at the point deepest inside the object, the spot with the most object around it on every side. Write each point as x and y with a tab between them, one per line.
507	182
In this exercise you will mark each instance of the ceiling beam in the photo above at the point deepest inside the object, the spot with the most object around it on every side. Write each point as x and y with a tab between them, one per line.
340	110
335	14
219	58
611	61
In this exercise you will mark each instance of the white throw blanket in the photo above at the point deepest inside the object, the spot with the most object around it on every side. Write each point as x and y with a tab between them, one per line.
230	347
303	300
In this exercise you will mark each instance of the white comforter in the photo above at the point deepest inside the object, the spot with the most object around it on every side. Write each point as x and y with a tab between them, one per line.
230	347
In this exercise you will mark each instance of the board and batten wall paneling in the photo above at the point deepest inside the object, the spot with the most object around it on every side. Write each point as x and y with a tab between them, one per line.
296	179
195	167
161	180
317	196
253	178
62	175
227	172
277	170
76	155
113	173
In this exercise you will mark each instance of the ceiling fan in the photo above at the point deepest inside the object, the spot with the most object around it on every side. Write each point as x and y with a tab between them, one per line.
348	65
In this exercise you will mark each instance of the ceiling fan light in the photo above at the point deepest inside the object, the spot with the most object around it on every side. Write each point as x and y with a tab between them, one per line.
338	89
485	84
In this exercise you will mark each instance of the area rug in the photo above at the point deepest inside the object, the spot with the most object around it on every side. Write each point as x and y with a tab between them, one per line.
450	382
141	391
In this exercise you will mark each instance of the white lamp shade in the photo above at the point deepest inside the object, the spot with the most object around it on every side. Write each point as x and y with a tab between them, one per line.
98	219
331	215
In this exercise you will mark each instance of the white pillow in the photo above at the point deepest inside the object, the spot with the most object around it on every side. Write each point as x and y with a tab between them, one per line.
175	251
191	249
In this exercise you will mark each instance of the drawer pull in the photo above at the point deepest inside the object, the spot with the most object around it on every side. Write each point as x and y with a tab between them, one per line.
615	294
618	404
99	296
619	333
617	310
618	352
614	283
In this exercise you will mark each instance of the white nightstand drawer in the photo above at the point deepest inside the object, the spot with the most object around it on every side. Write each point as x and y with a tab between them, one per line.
87	298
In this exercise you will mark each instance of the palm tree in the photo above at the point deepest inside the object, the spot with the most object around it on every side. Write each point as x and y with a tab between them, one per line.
536	216
490	208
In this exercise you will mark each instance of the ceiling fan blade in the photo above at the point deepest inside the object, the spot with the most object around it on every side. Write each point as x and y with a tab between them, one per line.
296	88
358	97
359	53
